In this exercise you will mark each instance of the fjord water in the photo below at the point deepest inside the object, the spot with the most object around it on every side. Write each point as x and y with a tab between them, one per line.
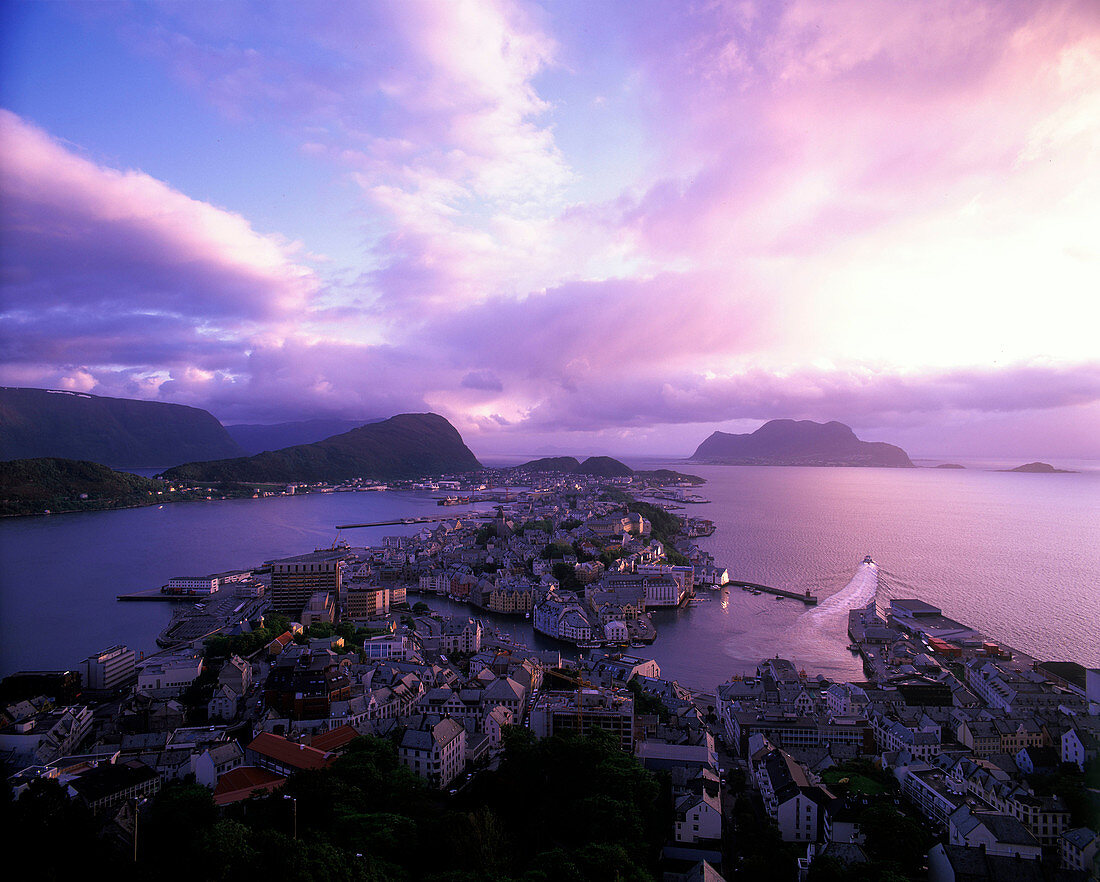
1016	555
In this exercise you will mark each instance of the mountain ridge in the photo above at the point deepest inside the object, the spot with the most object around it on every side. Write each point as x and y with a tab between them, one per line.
256	438
404	446
120	432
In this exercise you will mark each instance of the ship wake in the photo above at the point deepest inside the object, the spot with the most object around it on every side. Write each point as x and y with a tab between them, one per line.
831	616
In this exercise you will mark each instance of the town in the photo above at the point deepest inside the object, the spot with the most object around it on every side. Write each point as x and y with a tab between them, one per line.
287	686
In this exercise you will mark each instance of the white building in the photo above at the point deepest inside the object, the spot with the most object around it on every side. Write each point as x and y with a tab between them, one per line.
215	761
110	668
192	585
385	646
437	753
698	816
169	677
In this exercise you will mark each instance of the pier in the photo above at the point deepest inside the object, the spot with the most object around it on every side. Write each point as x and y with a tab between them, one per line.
157	594
471	515
807	598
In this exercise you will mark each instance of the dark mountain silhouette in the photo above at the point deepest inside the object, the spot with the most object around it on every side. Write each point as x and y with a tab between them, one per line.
404	446
801	442
120	432
564	464
604	467
597	466
257	438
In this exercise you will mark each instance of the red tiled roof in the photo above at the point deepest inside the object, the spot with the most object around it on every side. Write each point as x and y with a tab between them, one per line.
334	739
289	753
241	782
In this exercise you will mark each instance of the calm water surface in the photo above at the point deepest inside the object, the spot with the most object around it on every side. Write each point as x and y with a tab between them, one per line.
1016	555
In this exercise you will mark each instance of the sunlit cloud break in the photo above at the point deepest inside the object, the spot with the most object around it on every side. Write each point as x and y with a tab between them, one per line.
540	217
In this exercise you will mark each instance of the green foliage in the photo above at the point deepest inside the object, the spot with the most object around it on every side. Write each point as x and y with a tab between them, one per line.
554	551
645	703
1070	784
665	525
244	645
667	476
420	608
608	557
320	630
545	525
57	833
827	869
675	558
608	817
366	818
762	853
894	837
29	486
858	776
566	577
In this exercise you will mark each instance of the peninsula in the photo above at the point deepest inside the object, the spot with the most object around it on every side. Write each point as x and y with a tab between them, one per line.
799	443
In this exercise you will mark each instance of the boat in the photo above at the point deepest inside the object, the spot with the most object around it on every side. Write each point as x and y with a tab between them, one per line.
588	644
869	560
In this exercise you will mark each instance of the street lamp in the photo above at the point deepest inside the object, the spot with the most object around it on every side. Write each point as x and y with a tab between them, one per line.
138	803
294	801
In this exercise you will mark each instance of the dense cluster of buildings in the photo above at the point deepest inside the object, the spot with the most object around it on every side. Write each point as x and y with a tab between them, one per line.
964	726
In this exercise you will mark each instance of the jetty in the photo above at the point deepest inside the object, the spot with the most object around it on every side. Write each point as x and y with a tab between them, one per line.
157	594
807	598
467	516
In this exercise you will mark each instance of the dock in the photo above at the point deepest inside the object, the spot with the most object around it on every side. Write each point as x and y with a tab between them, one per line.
807	598
156	594
470	515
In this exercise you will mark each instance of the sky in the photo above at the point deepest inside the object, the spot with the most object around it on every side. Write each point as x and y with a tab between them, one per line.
568	227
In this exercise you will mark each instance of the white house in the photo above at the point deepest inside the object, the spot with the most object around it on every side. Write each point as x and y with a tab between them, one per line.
215	761
698	816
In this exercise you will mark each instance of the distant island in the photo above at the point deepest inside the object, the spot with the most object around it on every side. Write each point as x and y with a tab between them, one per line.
950	465
800	443
408	445
1039	468
122	432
